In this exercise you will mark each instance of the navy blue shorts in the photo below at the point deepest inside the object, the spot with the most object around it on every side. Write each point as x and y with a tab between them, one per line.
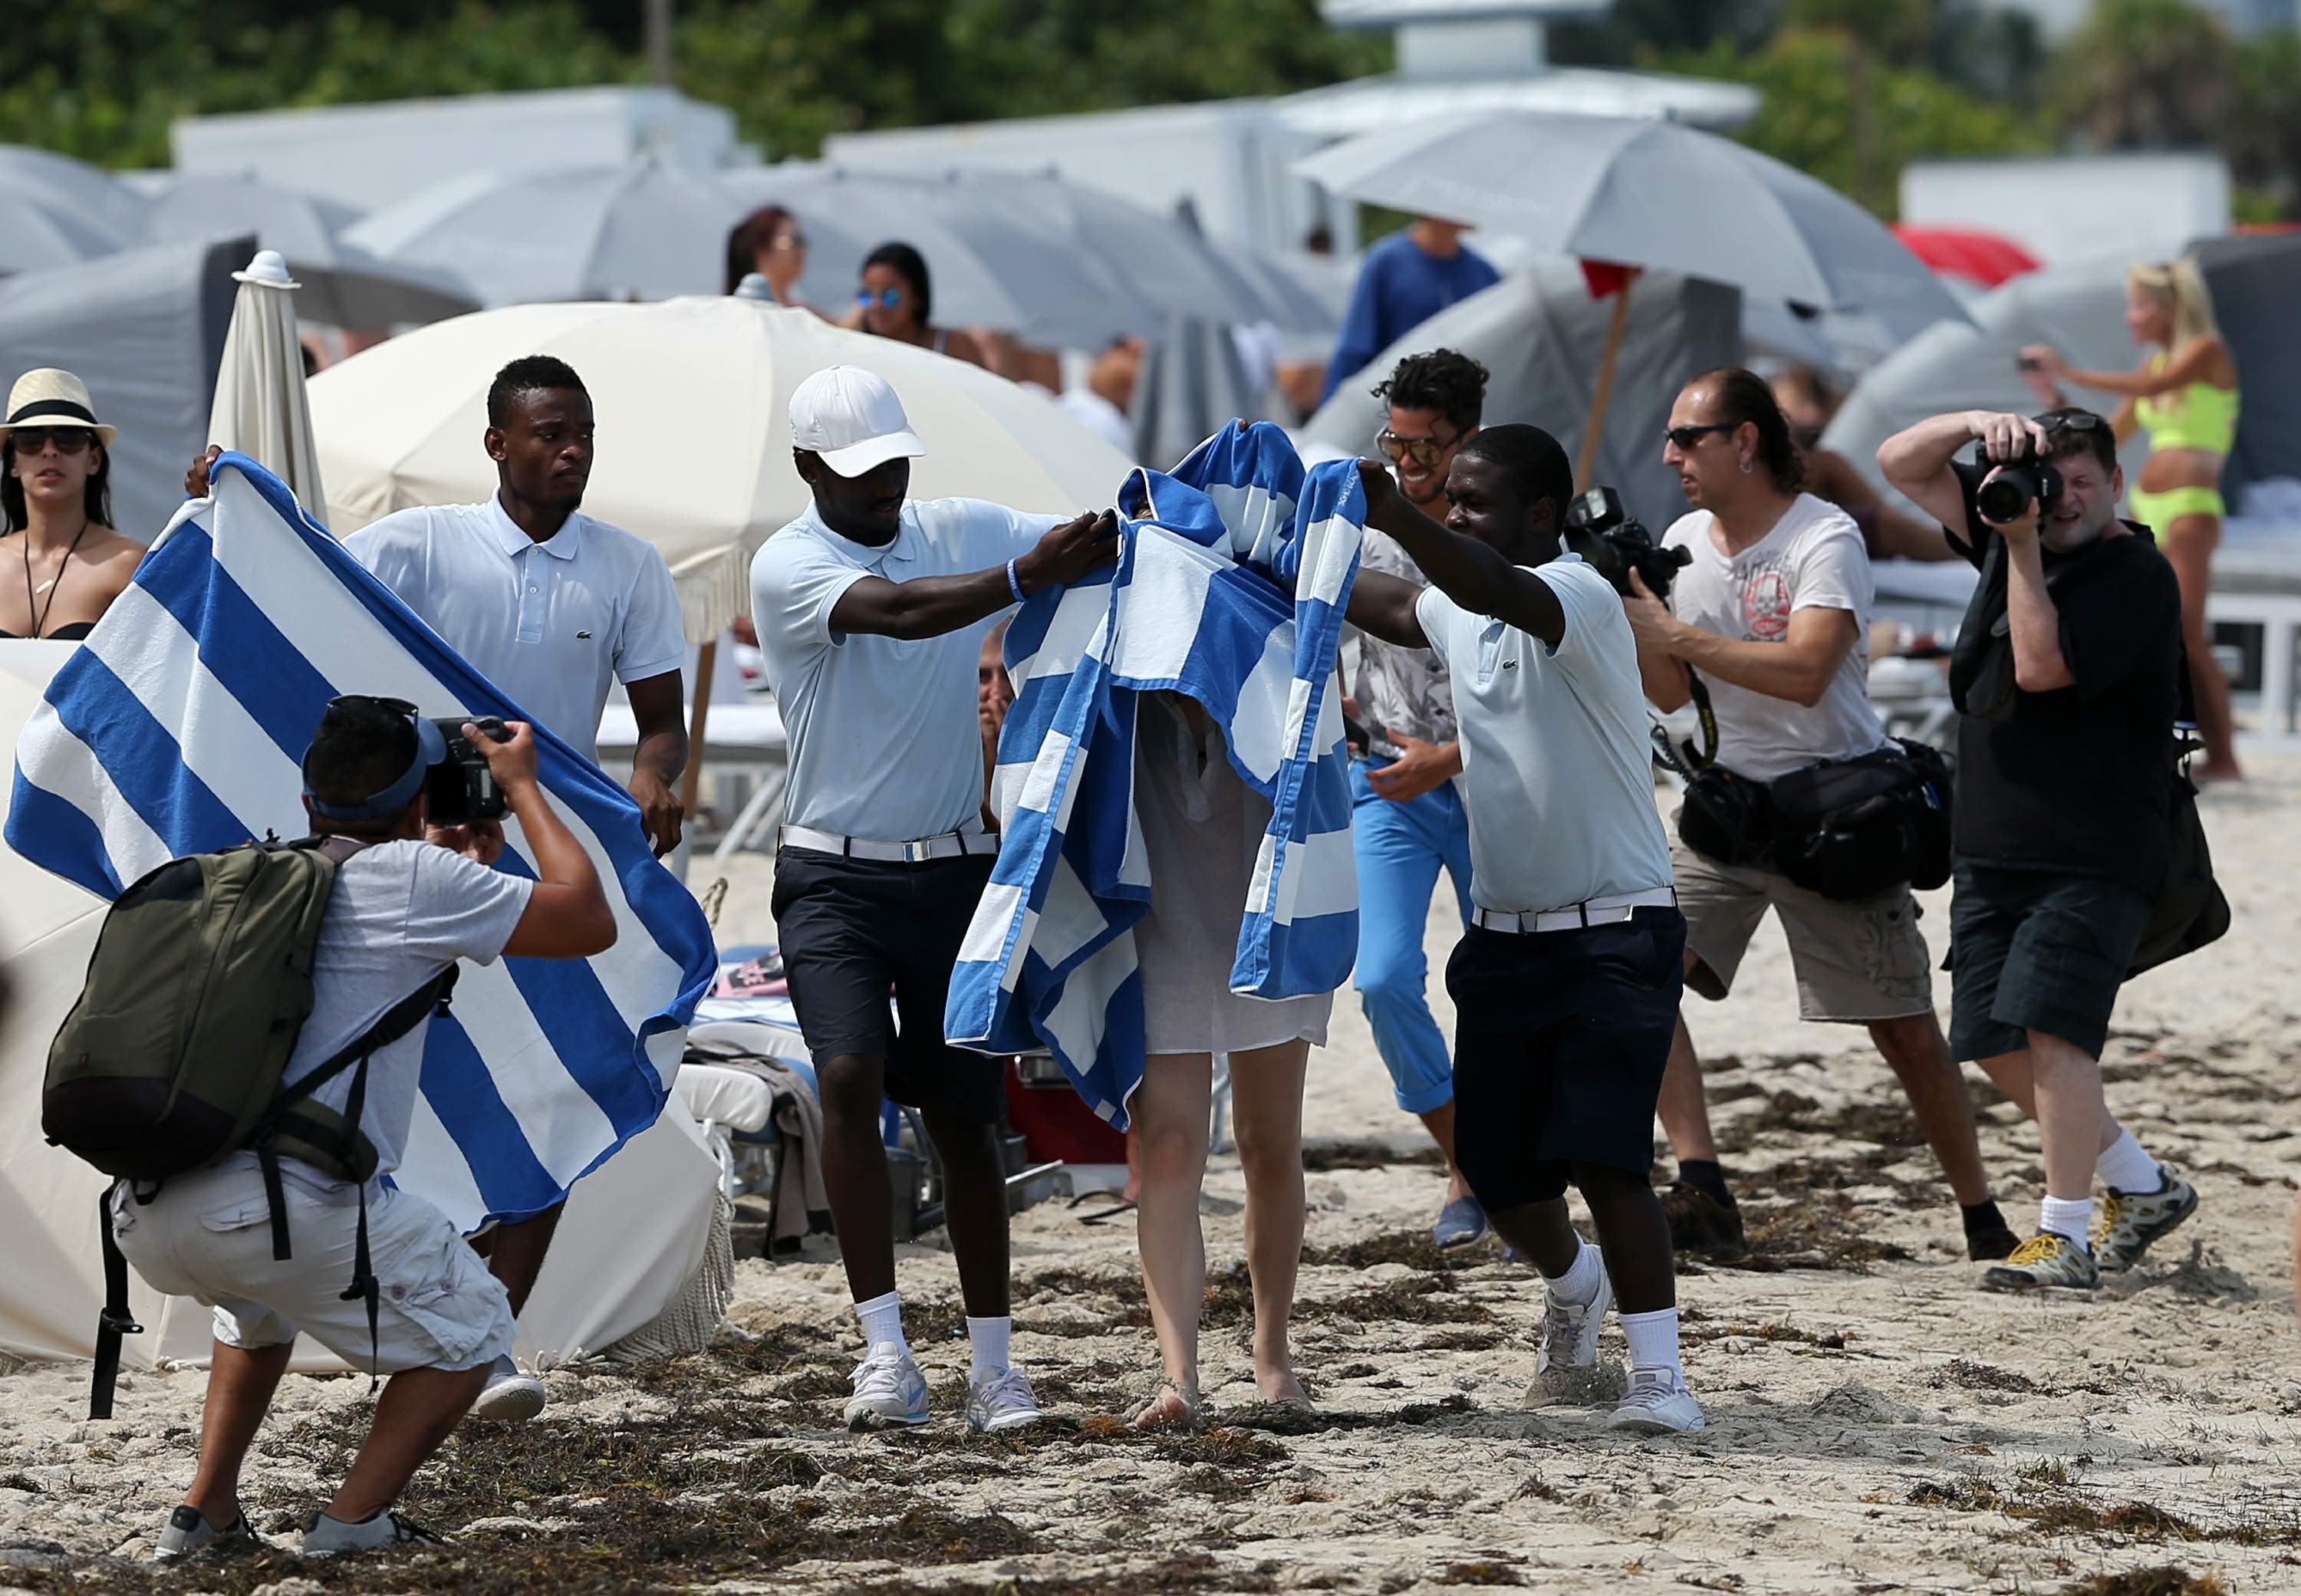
852	932
2033	950
1560	1044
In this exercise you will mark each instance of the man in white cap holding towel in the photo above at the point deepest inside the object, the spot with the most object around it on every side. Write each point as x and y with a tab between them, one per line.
871	610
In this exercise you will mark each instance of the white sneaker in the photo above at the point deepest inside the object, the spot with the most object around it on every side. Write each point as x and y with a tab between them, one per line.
1002	1402
387	1531
1566	1369
888	1389
1657	1405
511	1395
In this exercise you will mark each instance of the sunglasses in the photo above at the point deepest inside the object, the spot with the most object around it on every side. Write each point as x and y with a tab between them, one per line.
69	440
792	241
885	298
354	700
1686	438
1423	451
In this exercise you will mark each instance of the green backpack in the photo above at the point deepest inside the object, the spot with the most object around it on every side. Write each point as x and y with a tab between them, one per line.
198	988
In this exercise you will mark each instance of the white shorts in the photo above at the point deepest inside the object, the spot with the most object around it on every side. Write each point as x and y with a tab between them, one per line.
208	1236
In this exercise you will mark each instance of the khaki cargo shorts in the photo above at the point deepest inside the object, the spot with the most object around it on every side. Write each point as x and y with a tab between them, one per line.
1855	961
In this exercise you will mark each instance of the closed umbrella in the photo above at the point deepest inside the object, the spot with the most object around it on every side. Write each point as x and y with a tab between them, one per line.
1649	194
338	283
260	405
645	231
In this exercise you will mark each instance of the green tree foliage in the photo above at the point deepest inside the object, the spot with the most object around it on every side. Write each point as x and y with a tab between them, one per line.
2147	74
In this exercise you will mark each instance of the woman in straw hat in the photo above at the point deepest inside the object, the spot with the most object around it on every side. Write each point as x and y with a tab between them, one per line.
2184	397
55	472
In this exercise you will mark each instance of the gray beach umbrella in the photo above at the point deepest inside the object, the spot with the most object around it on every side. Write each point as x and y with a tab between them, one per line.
55	211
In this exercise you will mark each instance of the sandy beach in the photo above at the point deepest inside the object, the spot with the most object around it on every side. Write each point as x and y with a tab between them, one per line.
1875	1423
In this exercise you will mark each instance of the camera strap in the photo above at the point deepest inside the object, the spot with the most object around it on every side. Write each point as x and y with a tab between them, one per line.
1684	759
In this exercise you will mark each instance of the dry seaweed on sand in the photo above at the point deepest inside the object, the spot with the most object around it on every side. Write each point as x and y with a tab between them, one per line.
2165	1580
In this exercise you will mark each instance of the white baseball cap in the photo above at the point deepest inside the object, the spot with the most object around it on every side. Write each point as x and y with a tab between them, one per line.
852	418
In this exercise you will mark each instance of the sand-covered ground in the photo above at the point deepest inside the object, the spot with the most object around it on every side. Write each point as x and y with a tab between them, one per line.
1875	1423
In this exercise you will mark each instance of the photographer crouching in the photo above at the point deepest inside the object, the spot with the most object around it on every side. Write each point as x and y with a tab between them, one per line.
2066	676
406	901
1800	806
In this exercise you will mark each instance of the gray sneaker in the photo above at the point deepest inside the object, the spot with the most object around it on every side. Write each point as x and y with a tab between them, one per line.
1461	1223
1567	1368
387	1531
2131	1221
2046	1259
888	1389
511	1395
1001	1403
189	1532
1657	1405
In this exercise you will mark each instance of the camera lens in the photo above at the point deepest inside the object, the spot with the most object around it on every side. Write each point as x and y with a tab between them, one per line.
2002	498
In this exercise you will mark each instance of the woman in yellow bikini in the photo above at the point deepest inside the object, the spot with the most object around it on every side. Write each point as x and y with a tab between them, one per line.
2184	397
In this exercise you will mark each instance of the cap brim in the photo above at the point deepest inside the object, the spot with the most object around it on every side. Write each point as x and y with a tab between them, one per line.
871	453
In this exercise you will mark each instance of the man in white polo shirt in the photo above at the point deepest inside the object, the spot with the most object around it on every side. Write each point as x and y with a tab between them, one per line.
553	607
871	610
1566	984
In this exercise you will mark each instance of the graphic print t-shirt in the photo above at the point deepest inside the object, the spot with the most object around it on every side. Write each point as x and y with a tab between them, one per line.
1814	558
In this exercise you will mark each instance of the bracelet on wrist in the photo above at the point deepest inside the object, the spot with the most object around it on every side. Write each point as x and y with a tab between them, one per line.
1014	582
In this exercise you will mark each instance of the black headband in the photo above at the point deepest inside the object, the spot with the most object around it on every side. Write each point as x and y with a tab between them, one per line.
57	408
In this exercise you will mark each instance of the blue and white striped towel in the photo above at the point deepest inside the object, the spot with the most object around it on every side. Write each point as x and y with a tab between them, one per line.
1229	588
181	727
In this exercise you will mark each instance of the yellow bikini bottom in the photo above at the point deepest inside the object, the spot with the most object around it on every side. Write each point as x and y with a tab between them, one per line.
2159	511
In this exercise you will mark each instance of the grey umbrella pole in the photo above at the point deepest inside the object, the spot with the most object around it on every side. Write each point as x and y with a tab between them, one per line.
1604	392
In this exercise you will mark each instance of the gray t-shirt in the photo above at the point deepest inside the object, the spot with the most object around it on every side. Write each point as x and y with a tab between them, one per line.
400	913
1405	690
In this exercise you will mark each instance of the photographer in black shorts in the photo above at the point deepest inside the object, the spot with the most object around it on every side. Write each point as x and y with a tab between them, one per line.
2066	673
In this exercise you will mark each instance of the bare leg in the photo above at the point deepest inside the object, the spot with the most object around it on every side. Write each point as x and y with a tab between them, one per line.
2189	544
2070	1114
1267	1111
974	1210
516	1252
1684	1112
854	1172
417	1410
1914	1045
1172	1111
1440	1122
240	1383
1541	1232
2012	1074
1633	1232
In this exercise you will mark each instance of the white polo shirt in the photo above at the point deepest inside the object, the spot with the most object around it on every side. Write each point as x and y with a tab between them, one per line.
553	625
884	742
1555	769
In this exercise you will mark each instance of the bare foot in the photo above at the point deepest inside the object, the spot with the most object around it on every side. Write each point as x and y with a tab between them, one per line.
1280	1387
1173	1408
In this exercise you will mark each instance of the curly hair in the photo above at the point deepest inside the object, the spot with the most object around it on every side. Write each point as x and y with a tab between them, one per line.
1450	383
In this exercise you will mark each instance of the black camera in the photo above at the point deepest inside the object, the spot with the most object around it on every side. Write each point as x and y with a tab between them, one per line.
461	787
2002	498
1615	544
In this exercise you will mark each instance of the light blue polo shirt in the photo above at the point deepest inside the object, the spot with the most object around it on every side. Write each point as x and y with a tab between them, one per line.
553	625
1556	773
884	742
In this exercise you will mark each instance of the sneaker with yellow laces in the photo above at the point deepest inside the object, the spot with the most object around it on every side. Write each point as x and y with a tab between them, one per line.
2046	1259
2131	1221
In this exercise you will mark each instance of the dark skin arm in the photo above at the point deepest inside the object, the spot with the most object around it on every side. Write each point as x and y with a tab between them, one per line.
659	706
932	605
1467	570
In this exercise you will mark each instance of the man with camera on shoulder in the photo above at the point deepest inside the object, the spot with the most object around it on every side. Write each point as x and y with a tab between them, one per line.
1770	613
2067	678
407	901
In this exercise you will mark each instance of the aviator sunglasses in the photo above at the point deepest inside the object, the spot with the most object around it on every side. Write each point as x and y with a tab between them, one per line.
1423	451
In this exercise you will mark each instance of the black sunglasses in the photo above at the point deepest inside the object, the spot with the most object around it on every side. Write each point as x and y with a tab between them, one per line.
354	700
1686	438
69	440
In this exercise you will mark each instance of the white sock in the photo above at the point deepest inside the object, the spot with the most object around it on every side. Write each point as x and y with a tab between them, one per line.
987	1339
2070	1216
1579	1284
882	1322
2125	1165
1653	1342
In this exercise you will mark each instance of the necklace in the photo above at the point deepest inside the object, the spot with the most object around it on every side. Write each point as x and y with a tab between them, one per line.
37	611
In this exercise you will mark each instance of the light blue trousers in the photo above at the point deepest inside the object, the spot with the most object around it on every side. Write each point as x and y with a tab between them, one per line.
1400	848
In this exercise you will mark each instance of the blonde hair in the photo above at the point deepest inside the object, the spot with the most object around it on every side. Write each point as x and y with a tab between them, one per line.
2181	288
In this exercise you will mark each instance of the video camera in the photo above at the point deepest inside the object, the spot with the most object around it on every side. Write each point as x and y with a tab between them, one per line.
1614	544
461	787
2001	499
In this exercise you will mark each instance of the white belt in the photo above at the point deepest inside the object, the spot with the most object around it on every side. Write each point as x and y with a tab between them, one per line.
1597	911
951	845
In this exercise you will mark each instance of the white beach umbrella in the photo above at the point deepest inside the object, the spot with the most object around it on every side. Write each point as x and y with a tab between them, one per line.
692	399
260	407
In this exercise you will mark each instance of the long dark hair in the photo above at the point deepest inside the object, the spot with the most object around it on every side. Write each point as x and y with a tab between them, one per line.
99	503
1743	395
752	234
911	266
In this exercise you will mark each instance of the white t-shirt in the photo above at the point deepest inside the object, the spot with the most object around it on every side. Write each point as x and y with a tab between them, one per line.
884	741
1812	559
1556	773
399	914
553	624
